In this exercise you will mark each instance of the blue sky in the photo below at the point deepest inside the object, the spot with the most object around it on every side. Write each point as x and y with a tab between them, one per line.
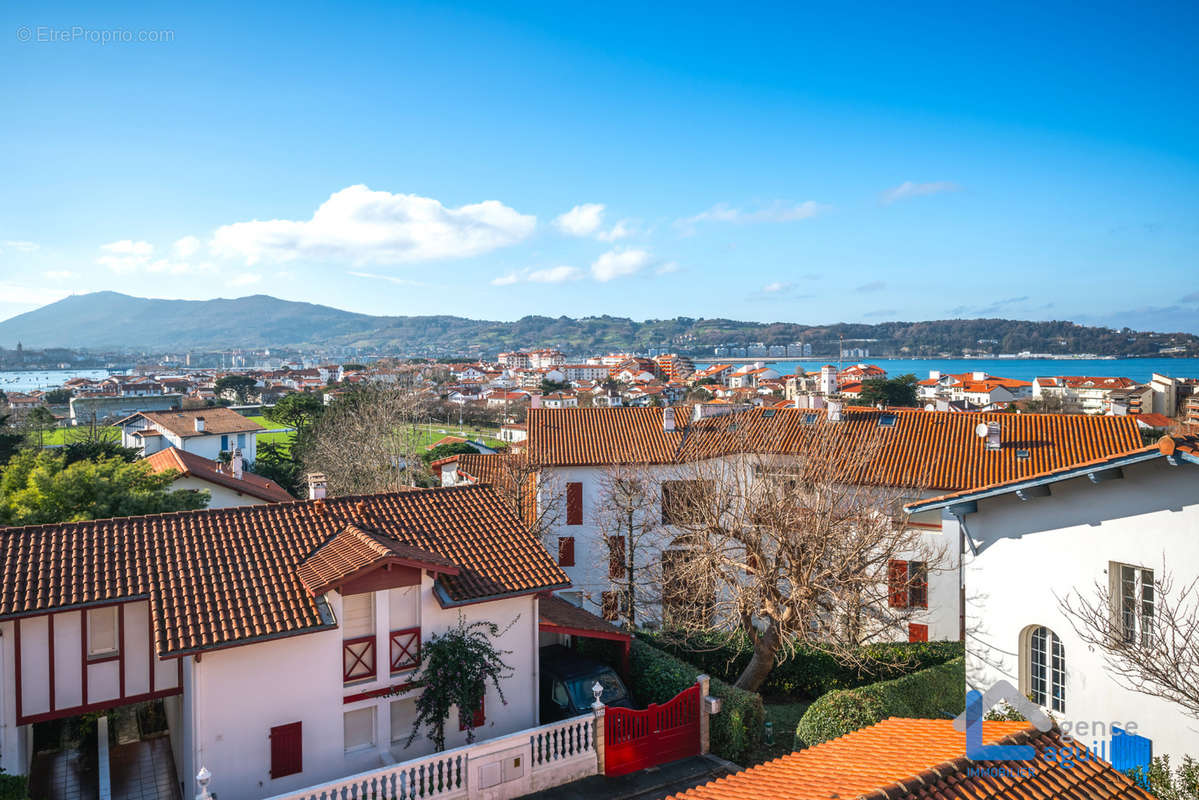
799	163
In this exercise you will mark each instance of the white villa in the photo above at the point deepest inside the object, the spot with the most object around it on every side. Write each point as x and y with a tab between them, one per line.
1124	521
922	453
206	432
281	638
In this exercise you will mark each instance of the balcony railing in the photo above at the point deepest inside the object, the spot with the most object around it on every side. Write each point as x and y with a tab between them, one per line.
358	658
405	649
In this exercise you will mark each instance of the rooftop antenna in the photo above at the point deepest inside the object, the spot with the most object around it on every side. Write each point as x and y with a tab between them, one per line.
840	351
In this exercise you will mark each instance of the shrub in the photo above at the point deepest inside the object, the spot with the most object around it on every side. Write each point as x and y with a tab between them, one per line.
658	676
932	693
13	787
1169	783
810	672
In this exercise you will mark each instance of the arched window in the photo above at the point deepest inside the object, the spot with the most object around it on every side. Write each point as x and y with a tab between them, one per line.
1046	668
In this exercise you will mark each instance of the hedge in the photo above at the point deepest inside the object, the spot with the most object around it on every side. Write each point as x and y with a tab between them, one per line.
658	676
810	672
935	693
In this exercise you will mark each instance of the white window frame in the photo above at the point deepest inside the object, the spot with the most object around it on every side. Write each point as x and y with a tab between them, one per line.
94	652
1045	657
1134	601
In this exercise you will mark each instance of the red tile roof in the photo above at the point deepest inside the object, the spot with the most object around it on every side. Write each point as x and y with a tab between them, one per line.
356	549
1087	382
930	449
205	469
1187	445
221	577
924	759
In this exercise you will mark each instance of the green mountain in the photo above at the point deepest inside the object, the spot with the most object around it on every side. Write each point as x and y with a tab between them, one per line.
113	321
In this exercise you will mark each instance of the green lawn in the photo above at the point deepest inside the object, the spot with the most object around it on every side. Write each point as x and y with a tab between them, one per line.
785	717
428	433
64	435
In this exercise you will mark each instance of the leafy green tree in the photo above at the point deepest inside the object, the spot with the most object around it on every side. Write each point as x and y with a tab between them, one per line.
894	392
455	668
276	463
58	397
240	385
549	387
38	487
447	450
95	449
300	410
10	440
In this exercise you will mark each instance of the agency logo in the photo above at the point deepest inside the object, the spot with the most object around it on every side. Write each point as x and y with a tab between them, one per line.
971	721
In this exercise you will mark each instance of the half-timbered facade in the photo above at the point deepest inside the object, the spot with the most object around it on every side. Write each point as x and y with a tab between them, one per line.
282	639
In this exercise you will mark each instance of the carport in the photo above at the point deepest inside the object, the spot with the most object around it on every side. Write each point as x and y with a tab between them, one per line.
561	617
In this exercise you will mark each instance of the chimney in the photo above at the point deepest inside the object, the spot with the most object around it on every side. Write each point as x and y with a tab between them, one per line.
980	376
316	486
199	424
535	401
668	419
994	429
934	374
817	401
834	410
235	463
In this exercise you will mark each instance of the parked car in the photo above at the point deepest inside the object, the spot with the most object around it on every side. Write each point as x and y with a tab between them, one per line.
566	681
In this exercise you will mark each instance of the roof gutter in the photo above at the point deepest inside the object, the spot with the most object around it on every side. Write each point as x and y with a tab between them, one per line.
445	601
1019	486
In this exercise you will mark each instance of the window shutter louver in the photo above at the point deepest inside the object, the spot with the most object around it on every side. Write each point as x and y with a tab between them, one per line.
566	551
574	503
897	584
287	751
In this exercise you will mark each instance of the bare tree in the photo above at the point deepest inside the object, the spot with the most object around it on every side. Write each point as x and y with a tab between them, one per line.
1147	630
534	495
370	440
788	544
628	519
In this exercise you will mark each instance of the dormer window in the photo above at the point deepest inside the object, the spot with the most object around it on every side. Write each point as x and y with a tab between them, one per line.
886	421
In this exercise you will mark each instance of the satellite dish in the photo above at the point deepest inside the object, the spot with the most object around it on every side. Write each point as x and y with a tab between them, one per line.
981	430
929	407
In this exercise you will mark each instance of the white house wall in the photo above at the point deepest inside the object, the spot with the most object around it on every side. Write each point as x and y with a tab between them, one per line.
235	696
1033	553
589	575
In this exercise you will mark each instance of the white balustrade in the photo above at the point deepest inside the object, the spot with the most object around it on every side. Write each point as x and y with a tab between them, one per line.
558	753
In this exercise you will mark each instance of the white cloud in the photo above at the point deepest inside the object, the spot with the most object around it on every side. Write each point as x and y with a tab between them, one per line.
555	274
186	247
363	226
245	279
667	268
60	274
618	264
582	220
723	212
777	286
19	246
910	189
559	274
17	294
125	256
376	276
618	231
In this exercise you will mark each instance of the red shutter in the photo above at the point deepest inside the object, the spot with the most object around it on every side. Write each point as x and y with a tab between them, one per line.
897	584
574	503
566	551
917	632
616	557
287	750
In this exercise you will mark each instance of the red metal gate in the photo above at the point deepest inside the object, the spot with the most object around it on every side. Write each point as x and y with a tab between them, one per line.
635	740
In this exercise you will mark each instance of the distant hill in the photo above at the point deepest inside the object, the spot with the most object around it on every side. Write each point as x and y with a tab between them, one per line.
110	321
